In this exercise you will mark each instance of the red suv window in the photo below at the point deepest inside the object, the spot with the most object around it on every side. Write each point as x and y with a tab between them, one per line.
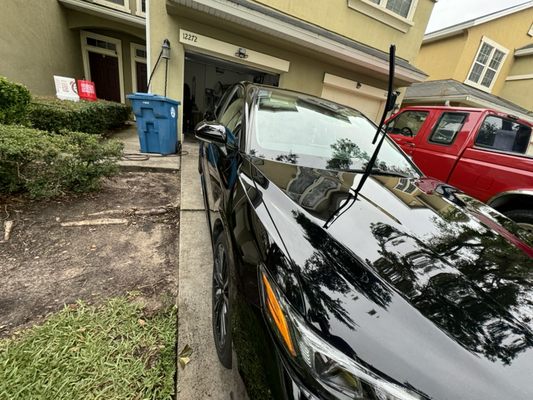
407	123
501	134
449	125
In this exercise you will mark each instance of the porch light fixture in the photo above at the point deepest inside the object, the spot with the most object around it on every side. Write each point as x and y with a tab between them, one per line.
165	50
241	53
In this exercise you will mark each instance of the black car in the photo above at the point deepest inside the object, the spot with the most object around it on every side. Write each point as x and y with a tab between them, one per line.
408	289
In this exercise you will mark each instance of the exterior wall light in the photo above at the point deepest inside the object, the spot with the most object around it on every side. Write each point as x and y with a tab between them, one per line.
241	53
165	49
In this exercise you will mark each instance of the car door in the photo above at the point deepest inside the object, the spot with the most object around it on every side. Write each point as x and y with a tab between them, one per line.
404	128
497	160
436	153
219	163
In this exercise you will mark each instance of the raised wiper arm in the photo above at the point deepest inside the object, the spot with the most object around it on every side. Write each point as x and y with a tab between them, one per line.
379	171
391	100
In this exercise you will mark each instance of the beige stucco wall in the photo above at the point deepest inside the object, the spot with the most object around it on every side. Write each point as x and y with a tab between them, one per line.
306	71
35	44
336	16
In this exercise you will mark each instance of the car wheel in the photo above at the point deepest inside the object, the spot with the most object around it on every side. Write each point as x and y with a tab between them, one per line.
524	218
220	313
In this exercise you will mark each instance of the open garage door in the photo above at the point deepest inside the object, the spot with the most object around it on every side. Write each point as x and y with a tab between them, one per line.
206	79
367	99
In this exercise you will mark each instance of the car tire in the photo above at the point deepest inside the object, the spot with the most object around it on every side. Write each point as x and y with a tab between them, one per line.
220	298
523	217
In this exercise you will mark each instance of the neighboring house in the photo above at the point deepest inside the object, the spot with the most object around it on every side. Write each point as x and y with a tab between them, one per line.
484	62
101	40
337	49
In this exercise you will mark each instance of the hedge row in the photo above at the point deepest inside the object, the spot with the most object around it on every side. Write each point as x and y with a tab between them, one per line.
14	100
56	116
45	164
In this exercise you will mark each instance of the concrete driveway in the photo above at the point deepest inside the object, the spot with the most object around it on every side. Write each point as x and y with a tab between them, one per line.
203	377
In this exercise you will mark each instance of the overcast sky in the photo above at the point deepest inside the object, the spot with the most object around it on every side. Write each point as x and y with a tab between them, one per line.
451	12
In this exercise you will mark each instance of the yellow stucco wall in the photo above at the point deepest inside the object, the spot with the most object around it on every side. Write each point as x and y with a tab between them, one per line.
522	66
336	16
519	92
440	59
36	43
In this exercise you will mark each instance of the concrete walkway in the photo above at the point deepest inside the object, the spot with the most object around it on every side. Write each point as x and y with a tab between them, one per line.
134	160
203	377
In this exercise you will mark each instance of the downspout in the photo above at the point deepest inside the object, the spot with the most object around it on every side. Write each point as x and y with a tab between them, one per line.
147	36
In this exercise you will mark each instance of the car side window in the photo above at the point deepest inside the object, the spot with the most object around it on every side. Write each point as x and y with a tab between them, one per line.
502	134
407	123
449	125
232	116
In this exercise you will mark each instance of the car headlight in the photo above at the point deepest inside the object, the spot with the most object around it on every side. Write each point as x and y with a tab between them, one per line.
339	374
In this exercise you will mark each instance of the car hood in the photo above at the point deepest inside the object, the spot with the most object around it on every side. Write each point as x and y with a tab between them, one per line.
414	279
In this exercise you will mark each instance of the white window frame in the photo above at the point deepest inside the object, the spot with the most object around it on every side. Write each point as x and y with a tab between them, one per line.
530	32
85	48
381	13
138	10
135	59
110	4
495	46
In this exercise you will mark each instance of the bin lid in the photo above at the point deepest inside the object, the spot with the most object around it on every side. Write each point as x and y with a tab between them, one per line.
151	97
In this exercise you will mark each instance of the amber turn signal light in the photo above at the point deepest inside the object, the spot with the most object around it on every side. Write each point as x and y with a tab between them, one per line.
275	311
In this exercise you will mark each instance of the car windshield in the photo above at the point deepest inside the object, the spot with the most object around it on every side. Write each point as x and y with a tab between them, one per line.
314	132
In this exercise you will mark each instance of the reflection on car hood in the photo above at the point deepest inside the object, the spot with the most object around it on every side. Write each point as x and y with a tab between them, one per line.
417	285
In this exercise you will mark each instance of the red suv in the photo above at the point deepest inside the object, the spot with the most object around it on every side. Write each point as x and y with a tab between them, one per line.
485	153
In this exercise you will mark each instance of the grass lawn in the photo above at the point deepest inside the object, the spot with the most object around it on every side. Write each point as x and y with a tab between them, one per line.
112	351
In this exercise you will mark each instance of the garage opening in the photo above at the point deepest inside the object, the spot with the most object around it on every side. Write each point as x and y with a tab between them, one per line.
206	79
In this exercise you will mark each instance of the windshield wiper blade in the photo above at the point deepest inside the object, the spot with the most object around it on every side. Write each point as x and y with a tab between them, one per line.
378	171
389	106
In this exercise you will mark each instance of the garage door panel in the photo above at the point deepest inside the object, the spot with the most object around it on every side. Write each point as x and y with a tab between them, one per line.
367	105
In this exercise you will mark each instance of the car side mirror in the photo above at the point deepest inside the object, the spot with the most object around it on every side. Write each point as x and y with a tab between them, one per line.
210	132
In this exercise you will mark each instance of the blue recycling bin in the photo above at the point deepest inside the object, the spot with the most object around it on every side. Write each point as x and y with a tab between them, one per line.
157	122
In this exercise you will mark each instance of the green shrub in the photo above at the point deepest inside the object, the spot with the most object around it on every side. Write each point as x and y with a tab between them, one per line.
97	117
44	164
14	100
